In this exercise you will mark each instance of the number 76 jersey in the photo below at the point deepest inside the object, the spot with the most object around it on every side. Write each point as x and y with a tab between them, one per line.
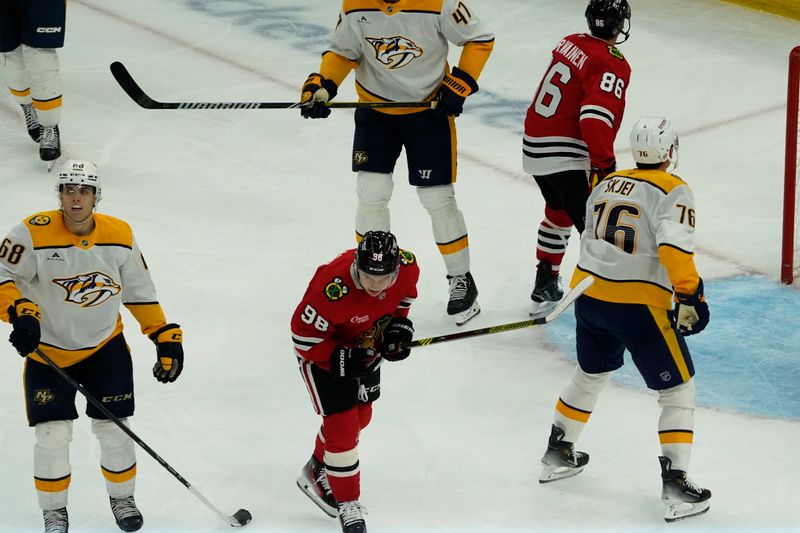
639	239
577	109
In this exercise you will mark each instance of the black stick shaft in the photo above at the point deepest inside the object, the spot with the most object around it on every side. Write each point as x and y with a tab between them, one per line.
132	89
108	414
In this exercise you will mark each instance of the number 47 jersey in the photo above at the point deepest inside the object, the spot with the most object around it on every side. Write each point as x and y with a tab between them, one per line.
577	109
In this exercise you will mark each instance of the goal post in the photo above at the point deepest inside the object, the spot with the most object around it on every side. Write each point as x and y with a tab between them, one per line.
790	248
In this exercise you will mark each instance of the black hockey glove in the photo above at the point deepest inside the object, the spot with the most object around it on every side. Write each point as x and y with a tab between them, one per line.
397	336
599	174
25	317
691	312
455	88
315	93
169	353
353	362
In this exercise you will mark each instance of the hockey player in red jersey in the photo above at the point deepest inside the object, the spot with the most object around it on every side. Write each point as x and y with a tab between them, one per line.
569	134
353	315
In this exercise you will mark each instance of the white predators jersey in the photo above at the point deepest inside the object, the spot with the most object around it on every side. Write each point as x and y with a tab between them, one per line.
77	281
401	49
639	239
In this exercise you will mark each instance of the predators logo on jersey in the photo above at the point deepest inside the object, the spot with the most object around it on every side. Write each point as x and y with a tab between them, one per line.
89	290
396	52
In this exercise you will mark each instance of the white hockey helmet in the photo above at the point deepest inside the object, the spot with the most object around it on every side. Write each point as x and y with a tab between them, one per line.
654	140
79	172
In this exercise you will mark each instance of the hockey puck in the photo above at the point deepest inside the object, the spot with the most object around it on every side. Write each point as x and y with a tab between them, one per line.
243	516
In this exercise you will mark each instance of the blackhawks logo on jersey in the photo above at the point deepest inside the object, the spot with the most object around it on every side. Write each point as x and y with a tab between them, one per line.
335	290
395	52
614	51
407	258
89	290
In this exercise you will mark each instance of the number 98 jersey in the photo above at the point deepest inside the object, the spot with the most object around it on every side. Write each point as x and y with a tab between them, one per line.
577	109
639	239
337	311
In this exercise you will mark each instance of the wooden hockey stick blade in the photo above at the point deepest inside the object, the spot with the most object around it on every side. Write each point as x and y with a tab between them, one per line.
132	89
565	302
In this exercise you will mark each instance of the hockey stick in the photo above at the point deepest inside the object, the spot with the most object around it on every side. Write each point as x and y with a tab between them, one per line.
565	302
240	518
136	93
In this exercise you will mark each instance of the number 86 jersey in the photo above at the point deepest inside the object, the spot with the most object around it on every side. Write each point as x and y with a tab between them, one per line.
639	239
577	108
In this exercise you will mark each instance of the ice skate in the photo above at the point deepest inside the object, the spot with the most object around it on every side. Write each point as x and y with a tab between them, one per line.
56	521
351	517
561	460
682	498
50	145
126	514
463	304
32	122
547	292
313	481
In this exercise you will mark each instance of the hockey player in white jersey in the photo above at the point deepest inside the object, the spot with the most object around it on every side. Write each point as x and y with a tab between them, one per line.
638	244
63	276
398	50
31	32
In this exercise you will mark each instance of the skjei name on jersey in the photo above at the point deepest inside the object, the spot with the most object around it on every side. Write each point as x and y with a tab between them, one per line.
639	239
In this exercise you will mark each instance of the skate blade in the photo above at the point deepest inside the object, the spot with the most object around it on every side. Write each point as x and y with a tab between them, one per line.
554	473
50	164
465	316
309	491
541	309
677	510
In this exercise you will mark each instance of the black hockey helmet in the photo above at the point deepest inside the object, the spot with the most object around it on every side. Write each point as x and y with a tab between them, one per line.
606	18
378	254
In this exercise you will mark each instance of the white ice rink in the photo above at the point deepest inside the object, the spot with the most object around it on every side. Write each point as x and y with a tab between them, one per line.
235	210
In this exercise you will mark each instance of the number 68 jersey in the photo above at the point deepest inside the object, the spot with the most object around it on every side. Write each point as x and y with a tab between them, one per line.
577	109
639	239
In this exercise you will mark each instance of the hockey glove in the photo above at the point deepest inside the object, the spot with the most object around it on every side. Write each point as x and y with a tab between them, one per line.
454	90
398	334
353	362
599	174
315	93
691	312
25	317
169	352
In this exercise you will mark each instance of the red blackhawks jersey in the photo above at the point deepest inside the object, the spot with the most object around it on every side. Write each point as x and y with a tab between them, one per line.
578	107
336	310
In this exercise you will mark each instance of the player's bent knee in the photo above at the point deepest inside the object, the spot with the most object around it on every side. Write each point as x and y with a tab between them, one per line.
439	198
590	383
681	396
374	187
108	434
54	434
40	60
